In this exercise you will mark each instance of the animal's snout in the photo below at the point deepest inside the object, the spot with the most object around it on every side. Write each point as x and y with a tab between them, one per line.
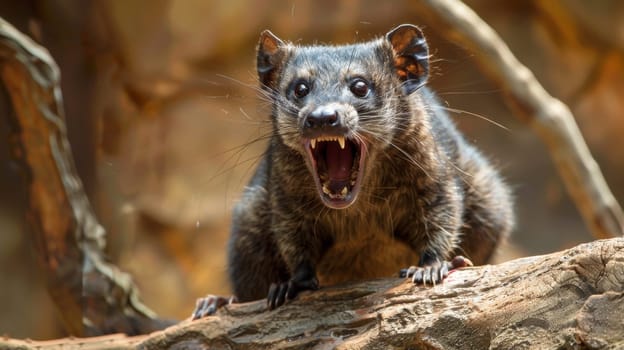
322	117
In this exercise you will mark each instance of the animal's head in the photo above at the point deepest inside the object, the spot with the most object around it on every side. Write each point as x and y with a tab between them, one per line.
338	105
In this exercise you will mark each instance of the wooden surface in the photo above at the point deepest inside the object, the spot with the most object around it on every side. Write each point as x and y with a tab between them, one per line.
572	299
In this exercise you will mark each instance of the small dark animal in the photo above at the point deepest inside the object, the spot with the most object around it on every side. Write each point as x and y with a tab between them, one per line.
364	174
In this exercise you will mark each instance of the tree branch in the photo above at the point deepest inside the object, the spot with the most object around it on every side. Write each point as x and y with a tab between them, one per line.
93	295
550	118
569	299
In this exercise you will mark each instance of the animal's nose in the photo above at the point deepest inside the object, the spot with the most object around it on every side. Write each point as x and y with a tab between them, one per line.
322	117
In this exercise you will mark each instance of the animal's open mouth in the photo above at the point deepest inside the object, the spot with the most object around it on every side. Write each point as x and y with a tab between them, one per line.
337	167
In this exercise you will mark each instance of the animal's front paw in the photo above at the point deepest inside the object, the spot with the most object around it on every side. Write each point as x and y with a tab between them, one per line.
279	293
209	304
434	272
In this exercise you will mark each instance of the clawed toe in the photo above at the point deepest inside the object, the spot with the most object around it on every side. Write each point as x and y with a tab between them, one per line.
428	275
209	305
433	273
279	293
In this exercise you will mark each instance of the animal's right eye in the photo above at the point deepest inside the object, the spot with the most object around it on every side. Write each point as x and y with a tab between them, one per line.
302	89
360	88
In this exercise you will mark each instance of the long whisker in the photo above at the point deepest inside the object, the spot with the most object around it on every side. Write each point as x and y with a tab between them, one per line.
482	117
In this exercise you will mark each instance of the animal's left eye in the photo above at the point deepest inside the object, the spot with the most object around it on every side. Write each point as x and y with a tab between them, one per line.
360	87
302	89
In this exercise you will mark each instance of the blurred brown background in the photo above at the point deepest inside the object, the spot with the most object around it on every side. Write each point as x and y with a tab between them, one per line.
166	126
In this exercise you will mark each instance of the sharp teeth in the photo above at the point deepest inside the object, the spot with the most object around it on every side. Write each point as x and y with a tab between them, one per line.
326	190
344	191
341	141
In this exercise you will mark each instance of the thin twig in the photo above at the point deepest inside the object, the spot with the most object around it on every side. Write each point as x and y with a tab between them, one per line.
550	118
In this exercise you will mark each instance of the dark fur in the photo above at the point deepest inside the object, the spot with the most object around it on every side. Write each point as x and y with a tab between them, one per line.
426	192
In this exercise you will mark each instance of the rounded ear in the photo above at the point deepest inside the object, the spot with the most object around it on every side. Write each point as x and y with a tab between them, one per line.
411	56
270	54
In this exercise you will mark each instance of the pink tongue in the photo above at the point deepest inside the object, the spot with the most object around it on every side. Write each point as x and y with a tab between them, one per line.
339	161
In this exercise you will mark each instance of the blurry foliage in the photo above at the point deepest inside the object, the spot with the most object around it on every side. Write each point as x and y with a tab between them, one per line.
166	124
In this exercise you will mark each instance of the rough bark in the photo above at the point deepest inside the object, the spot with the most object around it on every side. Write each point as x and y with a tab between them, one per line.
572	299
94	296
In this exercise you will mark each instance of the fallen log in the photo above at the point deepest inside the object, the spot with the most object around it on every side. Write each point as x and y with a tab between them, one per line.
572	299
